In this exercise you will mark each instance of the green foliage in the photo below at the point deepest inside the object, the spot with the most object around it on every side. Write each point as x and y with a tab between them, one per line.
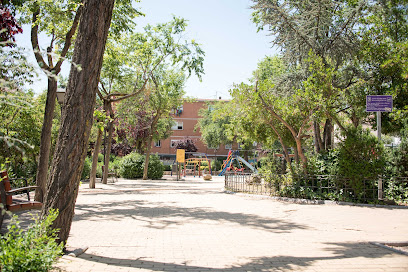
167	167
132	165
360	155
216	165
325	163
87	168
100	157
115	163
32	250
156	168
398	159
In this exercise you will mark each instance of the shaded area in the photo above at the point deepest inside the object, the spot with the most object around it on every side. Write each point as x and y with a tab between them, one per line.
335	251
160	215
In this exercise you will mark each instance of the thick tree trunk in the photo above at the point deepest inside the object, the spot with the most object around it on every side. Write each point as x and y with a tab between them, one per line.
45	144
92	178
71	147
107	154
148	148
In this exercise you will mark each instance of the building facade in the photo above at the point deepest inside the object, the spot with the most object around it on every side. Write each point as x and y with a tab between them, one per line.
186	119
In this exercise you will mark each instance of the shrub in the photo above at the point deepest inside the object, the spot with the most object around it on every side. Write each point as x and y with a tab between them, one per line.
156	168
99	169
87	168
360	155
131	166
32	250
167	167
100	157
115	164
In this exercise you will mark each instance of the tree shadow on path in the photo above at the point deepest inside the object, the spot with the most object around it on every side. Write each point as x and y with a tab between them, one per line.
337	254
161	215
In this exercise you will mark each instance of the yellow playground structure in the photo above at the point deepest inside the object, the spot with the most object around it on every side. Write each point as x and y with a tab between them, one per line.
192	166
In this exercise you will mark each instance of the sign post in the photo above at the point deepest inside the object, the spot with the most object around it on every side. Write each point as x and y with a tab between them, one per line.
180	158
379	103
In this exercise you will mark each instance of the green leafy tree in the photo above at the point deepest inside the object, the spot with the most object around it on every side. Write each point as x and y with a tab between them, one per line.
324	30
131	62
384	38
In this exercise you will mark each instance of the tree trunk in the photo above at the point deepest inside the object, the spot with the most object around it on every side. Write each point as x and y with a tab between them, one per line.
148	148
71	147
318	140
296	153
45	144
107	154
327	133
92	178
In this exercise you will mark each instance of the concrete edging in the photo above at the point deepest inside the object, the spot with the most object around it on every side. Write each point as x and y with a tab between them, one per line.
318	202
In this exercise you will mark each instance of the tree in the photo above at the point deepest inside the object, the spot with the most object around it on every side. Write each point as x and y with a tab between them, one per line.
131	62
166	95
212	125
59	20
47	16
324	30
187	144
384	38
8	27
70	151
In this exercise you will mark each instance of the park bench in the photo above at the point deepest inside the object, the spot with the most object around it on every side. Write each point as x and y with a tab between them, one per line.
11	194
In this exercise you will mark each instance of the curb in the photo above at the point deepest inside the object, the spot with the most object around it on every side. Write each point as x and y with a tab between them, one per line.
317	202
387	245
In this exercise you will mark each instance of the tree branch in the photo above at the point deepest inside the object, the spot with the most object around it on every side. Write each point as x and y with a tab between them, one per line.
34	39
68	37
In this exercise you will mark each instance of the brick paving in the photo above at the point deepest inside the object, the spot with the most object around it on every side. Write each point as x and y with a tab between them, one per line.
192	225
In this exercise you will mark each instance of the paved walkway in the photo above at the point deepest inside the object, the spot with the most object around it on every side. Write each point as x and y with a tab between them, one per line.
193	225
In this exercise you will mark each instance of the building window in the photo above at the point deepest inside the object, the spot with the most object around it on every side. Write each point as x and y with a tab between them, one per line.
228	146
157	144
213	147
177	126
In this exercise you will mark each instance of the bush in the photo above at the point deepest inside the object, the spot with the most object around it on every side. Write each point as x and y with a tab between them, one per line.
99	173
167	167
131	166
360	155
156	168
32	250
115	164
398	157
87	169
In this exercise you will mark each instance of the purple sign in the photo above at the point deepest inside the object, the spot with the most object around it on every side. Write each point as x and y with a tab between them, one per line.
382	103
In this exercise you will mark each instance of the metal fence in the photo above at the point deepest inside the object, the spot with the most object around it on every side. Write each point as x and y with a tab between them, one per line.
322	187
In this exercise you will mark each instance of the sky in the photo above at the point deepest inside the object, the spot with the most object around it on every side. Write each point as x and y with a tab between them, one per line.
224	29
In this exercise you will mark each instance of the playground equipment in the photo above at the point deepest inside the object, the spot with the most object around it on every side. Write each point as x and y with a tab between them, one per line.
228	164
194	164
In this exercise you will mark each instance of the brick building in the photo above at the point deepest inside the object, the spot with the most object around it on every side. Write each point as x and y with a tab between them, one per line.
186	119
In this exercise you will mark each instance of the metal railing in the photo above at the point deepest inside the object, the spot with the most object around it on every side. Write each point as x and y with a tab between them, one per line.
321	187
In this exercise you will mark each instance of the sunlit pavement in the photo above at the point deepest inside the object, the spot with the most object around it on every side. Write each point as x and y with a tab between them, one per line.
193	225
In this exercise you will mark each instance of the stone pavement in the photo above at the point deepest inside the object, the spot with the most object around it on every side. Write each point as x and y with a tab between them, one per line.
193	225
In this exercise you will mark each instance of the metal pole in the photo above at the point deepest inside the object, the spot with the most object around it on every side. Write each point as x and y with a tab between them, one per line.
380	185
379	125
